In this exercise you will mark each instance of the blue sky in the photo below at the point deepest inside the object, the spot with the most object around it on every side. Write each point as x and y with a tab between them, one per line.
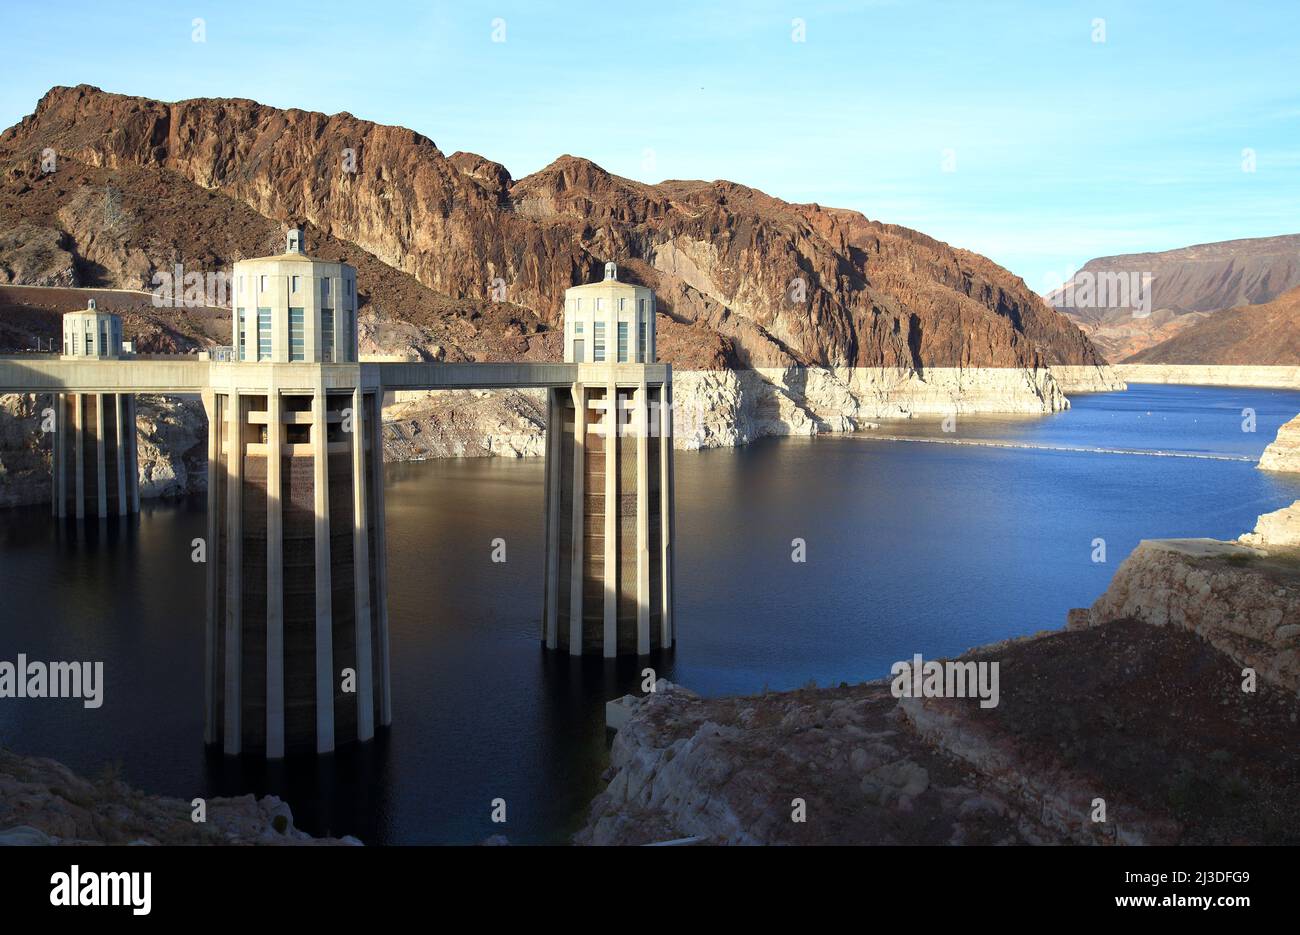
1060	147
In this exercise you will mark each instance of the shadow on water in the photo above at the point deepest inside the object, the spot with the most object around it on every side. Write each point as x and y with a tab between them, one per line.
358	790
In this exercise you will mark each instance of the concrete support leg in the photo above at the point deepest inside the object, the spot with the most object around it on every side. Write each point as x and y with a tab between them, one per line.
101	465
79	462
119	417
666	622
274	576
210	619
384	689
233	694
640	423
575	562
62	427
554	451
132	464
324	613
612	445
361	570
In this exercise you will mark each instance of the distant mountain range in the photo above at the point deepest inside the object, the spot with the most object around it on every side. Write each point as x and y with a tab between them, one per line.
742	279
1189	287
1265	334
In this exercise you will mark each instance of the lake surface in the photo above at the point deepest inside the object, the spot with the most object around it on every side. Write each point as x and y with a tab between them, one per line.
910	548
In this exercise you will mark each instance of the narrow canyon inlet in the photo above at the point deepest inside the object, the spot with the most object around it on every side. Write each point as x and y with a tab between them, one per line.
908	548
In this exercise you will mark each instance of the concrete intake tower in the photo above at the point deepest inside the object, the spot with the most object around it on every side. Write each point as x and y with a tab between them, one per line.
609	479
297	631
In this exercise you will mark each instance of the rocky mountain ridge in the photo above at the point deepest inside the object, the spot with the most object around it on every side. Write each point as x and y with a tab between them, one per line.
1187	286
760	282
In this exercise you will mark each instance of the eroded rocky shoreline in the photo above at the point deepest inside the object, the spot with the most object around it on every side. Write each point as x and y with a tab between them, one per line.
43	802
1169	708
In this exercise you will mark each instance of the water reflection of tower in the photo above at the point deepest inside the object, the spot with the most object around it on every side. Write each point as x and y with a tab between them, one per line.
297	632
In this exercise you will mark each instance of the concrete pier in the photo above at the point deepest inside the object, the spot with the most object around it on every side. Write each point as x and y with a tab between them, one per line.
609	480
296	609
94	471
608	523
297	632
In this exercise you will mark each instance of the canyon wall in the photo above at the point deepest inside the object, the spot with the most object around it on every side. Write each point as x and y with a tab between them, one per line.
459	260
1275	377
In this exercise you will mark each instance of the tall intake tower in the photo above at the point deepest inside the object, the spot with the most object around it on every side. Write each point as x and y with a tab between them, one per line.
609	477
297	625
94	465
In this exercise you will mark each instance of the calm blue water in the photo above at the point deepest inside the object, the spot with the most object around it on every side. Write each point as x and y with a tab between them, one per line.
911	548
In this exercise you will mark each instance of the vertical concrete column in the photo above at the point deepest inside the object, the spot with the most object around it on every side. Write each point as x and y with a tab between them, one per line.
234	560
101	465
642	423
666	515
79	439
133	465
210	618
61	427
361	571
119	416
274	575
554	451
54	458
577	548
380	557
610	640
324	610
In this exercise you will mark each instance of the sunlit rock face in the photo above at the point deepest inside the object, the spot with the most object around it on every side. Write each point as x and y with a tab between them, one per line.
1283	454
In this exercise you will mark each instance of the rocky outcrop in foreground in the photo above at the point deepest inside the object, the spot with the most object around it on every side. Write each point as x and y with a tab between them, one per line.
1283	454
44	802
1139	710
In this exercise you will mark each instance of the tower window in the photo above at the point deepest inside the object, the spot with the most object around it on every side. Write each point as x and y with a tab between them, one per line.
598	342
325	288
579	349
294	280
577	327
622	342
327	335
263	283
263	334
243	335
297	346
640	341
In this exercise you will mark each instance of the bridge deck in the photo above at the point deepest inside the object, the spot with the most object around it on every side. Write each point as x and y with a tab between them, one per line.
37	374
